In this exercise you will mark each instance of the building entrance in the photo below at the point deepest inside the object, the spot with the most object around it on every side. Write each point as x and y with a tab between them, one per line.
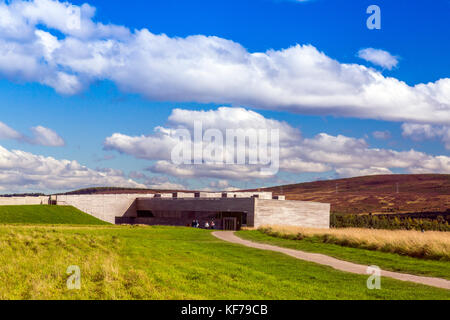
230	224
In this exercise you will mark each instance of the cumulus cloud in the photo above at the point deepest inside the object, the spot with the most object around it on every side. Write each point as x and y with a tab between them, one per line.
201	68
46	137
221	185
355	172
382	135
40	136
233	172
156	182
347	156
20	171
419	132
378	57
151	147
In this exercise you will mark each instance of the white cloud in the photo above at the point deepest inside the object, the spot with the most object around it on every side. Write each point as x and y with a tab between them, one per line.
354	172
233	172
46	137
156	182
21	171
225	118
203	69
159	145
221	185
40	136
378	57
346	156
8	133
166	186
419	132
381	135
151	147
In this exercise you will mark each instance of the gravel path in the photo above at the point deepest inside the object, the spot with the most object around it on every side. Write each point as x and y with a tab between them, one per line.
337	264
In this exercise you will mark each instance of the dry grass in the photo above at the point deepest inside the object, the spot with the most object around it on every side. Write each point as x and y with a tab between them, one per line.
428	245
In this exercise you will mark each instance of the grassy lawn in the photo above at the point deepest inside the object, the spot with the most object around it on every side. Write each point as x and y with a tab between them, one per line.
387	261
43	214
169	263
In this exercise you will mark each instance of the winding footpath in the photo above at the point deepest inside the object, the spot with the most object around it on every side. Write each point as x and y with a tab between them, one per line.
337	264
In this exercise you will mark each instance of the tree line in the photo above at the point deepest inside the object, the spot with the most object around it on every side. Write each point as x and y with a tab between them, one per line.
392	222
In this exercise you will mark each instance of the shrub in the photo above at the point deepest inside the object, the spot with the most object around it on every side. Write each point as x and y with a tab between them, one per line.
393	222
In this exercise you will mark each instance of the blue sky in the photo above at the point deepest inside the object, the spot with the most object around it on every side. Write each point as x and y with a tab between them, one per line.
416	34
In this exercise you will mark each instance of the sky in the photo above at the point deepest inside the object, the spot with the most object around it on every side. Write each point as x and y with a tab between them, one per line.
90	92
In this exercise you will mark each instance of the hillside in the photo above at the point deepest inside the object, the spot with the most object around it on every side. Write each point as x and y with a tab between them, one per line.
46	215
371	194
376	194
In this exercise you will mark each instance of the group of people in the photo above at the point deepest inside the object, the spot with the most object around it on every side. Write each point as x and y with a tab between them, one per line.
207	225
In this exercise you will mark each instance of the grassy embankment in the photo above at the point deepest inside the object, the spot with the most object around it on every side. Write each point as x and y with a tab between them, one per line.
403	251
169	263
42	214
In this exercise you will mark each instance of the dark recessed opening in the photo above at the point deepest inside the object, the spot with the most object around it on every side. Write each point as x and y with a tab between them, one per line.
145	214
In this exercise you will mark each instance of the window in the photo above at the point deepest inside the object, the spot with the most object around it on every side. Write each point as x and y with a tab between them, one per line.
244	218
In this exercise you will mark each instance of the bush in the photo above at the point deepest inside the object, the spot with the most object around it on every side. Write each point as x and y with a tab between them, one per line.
393	222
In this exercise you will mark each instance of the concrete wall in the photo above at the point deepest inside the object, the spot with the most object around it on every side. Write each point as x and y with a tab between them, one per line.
17	201
105	207
208	194
260	195
293	213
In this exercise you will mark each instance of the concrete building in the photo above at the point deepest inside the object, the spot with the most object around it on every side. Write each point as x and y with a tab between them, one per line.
229	210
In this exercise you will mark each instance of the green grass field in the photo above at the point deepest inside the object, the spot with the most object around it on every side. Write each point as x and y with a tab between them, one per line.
169	263
42	214
39	243
387	261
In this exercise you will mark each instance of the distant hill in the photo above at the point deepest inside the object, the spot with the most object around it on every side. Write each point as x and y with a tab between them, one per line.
381	194
376	194
113	190
21	195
